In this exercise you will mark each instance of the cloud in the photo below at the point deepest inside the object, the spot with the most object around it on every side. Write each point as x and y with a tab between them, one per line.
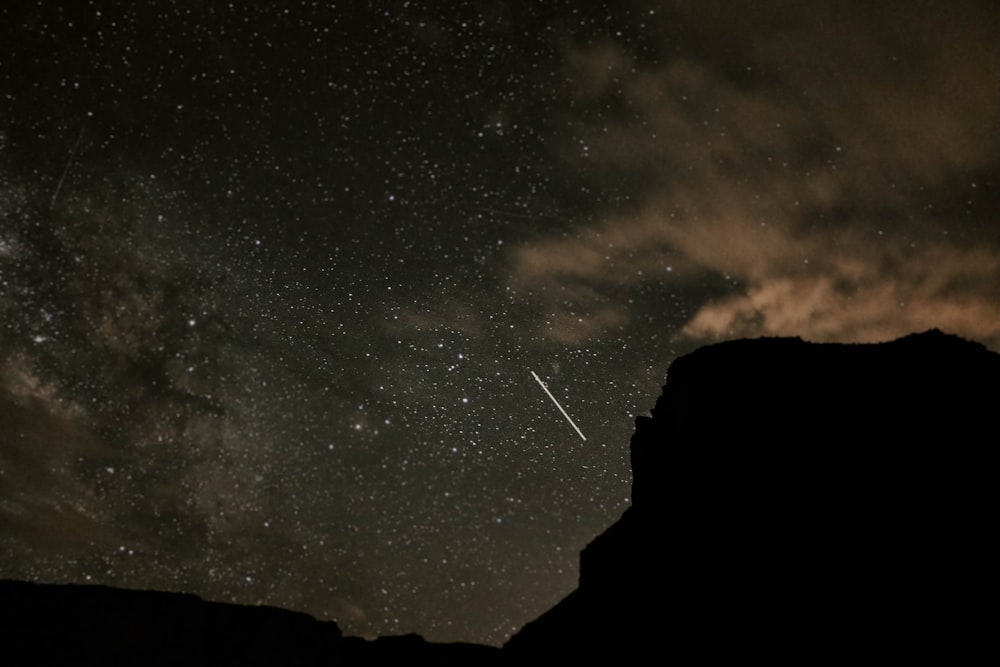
941	287
828	166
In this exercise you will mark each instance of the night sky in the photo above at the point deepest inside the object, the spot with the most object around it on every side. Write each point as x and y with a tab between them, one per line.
274	276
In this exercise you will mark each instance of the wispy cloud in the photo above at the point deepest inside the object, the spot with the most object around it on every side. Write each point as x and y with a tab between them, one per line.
841	202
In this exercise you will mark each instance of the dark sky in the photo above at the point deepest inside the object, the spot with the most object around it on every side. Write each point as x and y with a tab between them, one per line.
274	276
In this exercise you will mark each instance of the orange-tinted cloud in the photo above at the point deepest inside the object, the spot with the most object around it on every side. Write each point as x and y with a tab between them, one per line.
828	163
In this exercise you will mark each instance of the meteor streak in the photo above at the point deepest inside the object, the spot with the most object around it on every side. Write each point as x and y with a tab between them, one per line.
546	389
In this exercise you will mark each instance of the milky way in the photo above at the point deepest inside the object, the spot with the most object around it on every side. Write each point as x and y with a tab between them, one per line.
274	276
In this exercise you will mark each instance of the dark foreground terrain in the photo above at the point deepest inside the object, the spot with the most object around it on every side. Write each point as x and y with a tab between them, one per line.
791	501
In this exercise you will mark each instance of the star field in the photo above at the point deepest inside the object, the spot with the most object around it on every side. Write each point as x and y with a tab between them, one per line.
274	276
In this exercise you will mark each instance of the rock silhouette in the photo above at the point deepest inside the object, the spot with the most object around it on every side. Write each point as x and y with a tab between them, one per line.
791	501
49	624
796	501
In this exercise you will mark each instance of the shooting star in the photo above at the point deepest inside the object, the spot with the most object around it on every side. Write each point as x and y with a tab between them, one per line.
69	164
570	420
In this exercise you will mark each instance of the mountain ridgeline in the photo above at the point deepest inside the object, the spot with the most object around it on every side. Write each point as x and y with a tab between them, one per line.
791	501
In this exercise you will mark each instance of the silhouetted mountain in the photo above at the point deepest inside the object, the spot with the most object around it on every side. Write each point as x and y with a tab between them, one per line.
48	624
53	624
791	501
798	501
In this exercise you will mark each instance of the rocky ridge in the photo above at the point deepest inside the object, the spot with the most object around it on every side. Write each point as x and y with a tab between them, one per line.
791	500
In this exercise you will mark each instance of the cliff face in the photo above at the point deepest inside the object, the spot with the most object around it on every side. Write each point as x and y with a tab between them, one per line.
791	501
796	500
